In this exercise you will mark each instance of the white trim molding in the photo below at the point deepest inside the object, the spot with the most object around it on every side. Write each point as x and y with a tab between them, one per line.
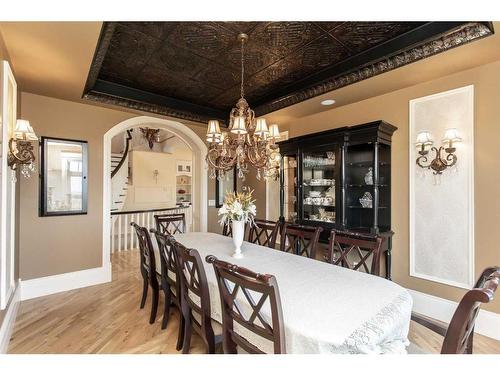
44	286
441	216
9	319
487	323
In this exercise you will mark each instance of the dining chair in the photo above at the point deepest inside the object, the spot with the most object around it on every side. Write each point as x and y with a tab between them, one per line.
170	223
264	232
300	239
227	230
459	334
355	250
245	312
148	269
195	299
169	281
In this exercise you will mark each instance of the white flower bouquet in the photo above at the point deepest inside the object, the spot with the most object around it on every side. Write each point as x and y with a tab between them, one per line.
237	207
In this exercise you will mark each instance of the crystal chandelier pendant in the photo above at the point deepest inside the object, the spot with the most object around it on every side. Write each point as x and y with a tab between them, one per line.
249	140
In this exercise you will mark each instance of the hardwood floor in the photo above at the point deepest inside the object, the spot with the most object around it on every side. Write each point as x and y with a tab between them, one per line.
107	319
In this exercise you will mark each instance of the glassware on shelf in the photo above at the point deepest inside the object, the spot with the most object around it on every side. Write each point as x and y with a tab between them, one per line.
369	176
315	194
321	182
316	161
366	200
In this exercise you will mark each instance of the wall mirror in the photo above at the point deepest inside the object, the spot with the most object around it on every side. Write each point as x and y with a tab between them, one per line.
63	177
223	186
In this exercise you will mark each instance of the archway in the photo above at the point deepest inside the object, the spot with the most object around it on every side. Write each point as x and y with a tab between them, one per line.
200	176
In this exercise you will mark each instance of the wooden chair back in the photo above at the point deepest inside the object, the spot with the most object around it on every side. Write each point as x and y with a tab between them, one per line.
355	250
168	261
460	332
147	255
234	281
264	232
170	223
193	282
227	229
300	239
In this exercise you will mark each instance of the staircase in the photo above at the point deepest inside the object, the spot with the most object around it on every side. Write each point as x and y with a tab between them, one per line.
119	176
119	183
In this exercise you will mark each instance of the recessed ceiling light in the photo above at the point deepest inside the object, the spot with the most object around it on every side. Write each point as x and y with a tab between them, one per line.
328	102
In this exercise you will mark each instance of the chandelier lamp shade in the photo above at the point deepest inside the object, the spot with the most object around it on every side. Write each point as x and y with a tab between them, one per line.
249	141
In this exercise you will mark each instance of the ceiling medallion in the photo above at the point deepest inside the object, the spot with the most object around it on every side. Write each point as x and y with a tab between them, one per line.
249	140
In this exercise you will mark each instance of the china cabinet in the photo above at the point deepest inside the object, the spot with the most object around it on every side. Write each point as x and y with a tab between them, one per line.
340	179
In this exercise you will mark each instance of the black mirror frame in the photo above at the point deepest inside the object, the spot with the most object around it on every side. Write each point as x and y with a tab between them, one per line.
43	181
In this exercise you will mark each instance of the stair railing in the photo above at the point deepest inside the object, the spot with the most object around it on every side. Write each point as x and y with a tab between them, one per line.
125	153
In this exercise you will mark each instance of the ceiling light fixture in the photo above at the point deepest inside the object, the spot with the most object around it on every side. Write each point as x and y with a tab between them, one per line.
249	140
328	102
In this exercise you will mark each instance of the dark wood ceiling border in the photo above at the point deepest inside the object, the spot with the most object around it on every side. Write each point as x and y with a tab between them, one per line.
457	36
452	34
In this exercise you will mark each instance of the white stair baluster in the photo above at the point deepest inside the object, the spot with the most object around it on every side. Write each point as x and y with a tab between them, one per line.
119	232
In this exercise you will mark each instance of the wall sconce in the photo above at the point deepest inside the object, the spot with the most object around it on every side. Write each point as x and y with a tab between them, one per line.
21	150
151	136
439	163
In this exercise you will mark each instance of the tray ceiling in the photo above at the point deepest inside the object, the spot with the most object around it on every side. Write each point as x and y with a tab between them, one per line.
191	70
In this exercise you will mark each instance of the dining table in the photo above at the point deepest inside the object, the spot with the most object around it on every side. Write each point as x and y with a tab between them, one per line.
326	308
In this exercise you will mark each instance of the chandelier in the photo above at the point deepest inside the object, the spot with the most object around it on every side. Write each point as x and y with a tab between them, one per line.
249	140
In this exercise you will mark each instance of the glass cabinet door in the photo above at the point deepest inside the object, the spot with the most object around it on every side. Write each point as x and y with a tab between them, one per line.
290	207
318	185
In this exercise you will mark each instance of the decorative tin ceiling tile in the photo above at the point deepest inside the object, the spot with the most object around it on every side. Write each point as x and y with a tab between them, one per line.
158	30
205	39
128	51
285	62
360	36
281	38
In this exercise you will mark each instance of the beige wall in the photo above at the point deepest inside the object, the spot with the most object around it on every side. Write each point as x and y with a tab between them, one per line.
55	245
393	107
145	191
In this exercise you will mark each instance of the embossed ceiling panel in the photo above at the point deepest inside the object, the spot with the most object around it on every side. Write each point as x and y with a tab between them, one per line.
191	70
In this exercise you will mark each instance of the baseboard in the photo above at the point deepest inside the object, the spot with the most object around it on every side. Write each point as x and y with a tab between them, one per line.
44	286
487	323
9	319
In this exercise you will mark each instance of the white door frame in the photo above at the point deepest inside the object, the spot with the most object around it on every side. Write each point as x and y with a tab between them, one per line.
200	175
8	186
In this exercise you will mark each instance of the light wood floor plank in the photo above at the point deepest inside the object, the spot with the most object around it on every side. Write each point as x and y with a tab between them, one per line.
107	319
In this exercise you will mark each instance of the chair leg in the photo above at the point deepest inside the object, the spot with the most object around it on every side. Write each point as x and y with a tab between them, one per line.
144	293
166	307
154	306
180	336
188	330
209	335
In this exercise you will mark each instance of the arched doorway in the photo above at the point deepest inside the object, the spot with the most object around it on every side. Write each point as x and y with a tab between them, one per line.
200	176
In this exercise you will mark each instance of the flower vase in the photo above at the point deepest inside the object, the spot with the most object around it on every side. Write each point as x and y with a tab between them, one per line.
238	229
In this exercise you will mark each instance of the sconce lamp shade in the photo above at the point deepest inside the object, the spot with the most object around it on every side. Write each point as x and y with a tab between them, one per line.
24	131
213	131
451	136
424	139
261	129
274	131
239	125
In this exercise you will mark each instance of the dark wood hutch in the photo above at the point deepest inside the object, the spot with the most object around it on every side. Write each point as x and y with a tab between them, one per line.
340	179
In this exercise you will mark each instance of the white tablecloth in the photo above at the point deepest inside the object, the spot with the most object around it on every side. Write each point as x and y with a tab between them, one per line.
326	308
